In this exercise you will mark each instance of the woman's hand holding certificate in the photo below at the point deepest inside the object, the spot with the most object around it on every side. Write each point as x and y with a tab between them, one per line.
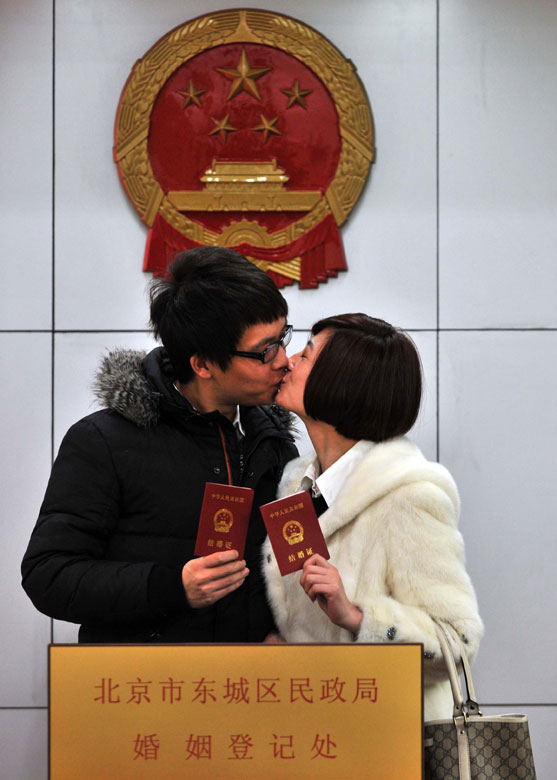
322	582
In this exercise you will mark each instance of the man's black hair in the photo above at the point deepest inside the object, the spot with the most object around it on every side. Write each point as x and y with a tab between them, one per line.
206	301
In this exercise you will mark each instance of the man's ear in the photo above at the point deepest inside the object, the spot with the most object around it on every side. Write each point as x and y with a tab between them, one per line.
201	367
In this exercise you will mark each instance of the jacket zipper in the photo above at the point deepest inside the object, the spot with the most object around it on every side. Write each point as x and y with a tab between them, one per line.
244	460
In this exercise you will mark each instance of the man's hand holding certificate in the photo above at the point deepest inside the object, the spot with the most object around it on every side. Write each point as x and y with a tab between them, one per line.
210	578
221	539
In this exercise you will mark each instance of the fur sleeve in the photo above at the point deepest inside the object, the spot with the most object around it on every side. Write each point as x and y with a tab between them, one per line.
425	575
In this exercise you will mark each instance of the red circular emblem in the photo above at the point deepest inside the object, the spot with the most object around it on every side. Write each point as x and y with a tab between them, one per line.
245	129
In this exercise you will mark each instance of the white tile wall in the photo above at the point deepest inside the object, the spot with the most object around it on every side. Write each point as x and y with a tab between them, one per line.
498	428
495	260
498	167
24	744
25	456
26	164
99	239
390	237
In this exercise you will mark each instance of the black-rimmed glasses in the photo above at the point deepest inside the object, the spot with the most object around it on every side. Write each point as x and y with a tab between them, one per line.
270	352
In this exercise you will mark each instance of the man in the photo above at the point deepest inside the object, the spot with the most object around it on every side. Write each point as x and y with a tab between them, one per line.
113	546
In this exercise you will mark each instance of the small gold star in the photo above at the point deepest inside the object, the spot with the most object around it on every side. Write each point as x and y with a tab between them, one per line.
267	126
243	77
190	95
296	94
222	127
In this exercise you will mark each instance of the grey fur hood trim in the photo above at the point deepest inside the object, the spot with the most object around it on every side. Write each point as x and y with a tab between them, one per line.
138	386
120	385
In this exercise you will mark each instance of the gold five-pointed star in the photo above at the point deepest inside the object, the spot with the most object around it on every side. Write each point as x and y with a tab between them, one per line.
267	126
243	77
296	94
190	95
222	127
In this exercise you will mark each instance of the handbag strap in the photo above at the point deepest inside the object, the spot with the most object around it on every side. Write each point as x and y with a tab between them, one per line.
448	657
445	632
472	704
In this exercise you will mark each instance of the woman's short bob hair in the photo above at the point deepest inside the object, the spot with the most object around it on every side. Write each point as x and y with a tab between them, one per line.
367	380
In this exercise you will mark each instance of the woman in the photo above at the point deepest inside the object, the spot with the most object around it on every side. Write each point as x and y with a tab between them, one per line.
389	516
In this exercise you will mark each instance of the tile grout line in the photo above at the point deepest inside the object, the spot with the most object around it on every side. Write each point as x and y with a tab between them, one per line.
437	254
53	249
147	331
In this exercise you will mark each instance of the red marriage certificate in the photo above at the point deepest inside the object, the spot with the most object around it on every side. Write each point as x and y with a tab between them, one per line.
294	531
224	519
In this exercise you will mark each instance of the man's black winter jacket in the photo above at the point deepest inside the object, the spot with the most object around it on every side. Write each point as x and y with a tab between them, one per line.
121	510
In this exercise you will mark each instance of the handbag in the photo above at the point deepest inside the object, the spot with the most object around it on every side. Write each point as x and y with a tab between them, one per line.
472	746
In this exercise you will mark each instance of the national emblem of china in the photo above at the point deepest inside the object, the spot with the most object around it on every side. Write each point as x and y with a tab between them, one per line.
293	532
223	520
250	130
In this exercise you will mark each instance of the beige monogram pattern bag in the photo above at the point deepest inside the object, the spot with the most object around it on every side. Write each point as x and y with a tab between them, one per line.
472	746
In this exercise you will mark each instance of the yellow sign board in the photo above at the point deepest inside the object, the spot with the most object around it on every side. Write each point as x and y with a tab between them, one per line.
235	711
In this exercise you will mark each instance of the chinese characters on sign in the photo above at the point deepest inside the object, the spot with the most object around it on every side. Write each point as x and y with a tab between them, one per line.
239	747
237	711
260	690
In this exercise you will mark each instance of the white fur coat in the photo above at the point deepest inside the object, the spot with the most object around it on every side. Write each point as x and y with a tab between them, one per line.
392	534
